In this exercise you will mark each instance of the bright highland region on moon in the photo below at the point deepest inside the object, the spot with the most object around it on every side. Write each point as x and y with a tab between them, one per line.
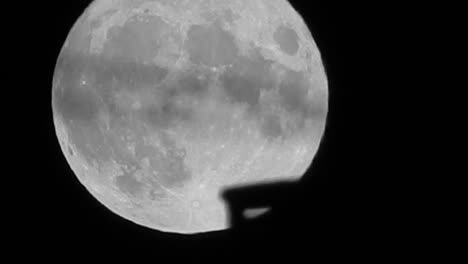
160	105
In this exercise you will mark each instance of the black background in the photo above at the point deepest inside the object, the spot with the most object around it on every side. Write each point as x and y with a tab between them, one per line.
352	200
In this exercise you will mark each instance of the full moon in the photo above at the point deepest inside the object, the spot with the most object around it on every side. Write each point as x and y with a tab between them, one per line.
161	105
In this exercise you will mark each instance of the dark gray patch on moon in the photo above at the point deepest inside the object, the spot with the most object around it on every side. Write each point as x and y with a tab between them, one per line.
76	103
191	85
241	89
138	39
271	126
104	77
287	39
128	184
164	115
243	81
191	82
210	45
293	92
71	99
123	74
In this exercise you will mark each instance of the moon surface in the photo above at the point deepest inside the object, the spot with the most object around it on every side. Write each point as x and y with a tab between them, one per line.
160	105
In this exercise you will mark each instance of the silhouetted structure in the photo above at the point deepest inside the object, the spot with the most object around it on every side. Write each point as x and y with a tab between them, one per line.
274	195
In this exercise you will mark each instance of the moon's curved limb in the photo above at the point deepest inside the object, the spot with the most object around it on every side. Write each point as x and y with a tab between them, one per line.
229	107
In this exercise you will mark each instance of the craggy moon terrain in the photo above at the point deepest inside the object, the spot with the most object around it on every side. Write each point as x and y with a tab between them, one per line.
160	105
